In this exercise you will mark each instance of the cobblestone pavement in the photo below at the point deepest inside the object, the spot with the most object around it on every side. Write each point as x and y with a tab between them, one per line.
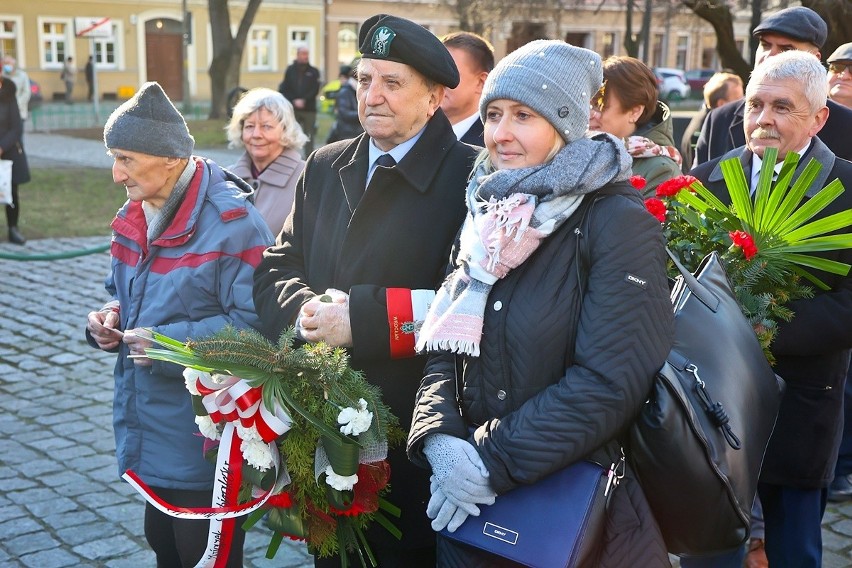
61	500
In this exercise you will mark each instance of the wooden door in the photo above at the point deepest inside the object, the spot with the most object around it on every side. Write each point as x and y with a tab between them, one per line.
164	55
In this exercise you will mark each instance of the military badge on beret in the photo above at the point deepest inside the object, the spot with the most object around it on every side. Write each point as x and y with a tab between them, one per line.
381	41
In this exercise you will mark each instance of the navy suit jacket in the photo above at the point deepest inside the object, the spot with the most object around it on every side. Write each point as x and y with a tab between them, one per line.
475	135
723	131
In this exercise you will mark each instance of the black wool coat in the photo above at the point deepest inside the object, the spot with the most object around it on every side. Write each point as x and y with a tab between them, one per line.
812	350
723	131
398	233
537	408
11	133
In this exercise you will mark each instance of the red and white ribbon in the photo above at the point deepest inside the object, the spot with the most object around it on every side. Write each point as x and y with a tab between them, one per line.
232	400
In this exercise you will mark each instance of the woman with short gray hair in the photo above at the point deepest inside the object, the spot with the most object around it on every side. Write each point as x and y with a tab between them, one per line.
264	124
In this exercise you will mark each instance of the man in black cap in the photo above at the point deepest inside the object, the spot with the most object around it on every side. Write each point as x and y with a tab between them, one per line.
796	28
372	226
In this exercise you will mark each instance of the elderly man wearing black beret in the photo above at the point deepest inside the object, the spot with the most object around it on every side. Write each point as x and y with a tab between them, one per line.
372	227
796	28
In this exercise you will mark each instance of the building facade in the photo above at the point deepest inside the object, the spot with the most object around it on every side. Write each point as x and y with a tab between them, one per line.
144	40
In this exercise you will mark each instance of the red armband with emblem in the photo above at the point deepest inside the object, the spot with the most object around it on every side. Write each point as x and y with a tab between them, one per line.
406	312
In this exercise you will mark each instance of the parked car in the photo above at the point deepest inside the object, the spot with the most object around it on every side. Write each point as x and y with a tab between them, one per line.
697	78
671	83
36	97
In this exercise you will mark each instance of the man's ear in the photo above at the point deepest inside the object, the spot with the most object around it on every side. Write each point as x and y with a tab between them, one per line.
436	97
819	121
480	83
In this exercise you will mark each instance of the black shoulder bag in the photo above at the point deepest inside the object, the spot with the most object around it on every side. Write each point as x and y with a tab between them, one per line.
698	443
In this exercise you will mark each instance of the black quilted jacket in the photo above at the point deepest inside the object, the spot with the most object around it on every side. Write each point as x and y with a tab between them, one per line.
535	407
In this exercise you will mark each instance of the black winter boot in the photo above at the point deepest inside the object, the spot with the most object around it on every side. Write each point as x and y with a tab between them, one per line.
15	236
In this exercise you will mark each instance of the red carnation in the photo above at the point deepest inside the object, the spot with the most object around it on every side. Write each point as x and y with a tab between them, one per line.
282	500
672	187
744	241
656	208
638	182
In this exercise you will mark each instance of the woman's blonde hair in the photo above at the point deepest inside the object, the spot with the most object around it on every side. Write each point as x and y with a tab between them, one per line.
252	101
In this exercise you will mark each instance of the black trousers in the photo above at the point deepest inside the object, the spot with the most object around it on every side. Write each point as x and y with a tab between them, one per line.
14	210
180	543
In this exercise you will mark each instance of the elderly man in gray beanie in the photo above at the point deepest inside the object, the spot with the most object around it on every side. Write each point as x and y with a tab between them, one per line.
184	248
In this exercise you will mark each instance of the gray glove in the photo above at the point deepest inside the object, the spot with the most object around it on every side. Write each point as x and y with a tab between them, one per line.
459	482
444	512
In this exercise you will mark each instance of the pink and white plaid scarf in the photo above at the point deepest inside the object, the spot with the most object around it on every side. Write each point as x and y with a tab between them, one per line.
510	213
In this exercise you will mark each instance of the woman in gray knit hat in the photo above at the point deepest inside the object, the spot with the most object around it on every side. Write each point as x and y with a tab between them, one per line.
555	360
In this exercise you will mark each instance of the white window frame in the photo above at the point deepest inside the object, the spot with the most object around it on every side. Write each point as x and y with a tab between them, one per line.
254	45
43	38
687	48
354	43
117	28
17	36
309	42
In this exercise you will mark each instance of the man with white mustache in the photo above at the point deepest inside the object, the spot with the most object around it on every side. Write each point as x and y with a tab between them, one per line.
785	108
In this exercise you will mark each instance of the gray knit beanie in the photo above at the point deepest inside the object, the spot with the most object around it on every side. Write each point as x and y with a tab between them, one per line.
149	123
554	78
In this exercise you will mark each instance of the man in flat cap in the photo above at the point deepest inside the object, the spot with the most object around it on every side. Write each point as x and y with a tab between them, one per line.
796	28
372	227
840	91
184	248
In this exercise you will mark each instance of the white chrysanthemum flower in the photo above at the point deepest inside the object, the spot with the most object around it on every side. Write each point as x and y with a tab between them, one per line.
354	421
207	427
190	377
340	482
249	434
257	454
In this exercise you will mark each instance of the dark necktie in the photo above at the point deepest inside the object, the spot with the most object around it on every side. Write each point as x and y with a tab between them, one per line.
386	160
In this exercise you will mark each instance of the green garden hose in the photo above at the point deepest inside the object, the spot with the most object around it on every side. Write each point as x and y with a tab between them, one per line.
56	255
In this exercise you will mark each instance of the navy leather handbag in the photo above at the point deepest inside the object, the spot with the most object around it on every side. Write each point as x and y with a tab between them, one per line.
557	522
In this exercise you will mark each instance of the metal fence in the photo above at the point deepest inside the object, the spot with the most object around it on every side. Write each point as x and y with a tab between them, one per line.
62	116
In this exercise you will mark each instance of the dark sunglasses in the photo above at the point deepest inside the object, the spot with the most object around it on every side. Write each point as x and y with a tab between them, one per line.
840	67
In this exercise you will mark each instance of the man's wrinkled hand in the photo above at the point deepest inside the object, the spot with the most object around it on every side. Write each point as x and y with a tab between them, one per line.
138	340
326	318
103	327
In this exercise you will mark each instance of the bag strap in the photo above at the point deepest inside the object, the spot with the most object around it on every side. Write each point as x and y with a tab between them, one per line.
699	290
